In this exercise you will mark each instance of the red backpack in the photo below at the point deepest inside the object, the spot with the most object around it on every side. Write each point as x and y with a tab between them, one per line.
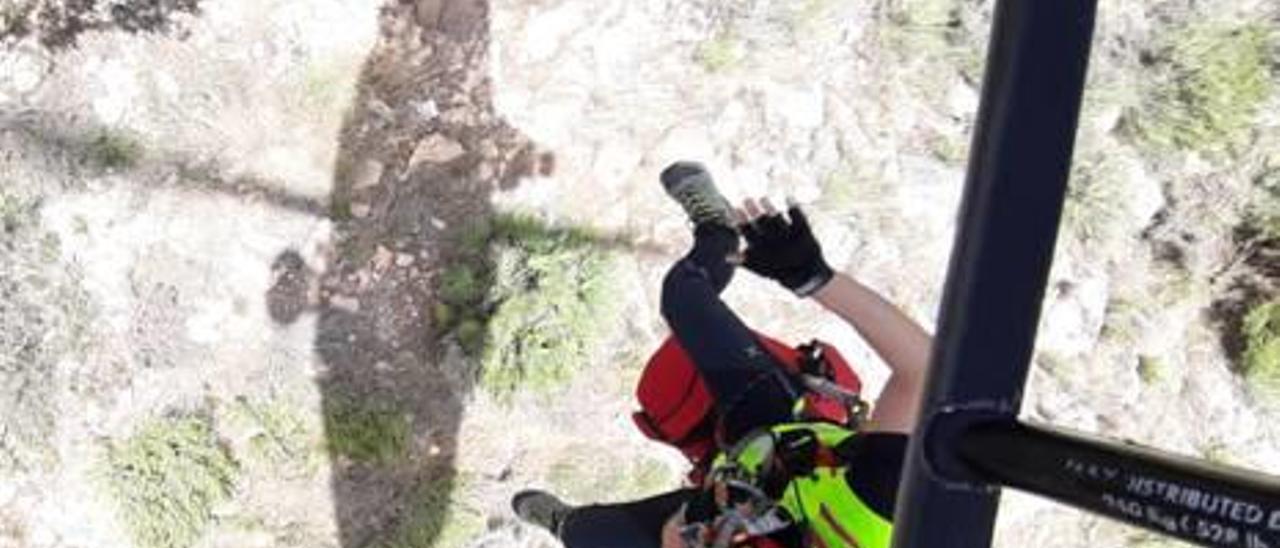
677	409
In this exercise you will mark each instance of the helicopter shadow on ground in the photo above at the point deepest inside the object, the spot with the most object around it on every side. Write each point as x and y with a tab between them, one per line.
422	149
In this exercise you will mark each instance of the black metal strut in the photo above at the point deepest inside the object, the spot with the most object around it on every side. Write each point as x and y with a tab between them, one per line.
1018	167
969	440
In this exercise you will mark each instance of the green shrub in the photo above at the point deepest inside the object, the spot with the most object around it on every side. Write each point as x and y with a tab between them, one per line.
460	284
471	335
1261	359
528	301
552	292
475	237
366	432
1218	77
166	478
13	211
112	150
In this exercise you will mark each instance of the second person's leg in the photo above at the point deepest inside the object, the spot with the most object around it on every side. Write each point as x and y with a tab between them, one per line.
635	524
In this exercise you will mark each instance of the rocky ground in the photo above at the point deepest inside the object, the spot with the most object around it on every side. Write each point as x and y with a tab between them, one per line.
231	226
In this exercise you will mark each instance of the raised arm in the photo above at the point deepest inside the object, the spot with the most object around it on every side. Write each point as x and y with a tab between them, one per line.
900	341
783	248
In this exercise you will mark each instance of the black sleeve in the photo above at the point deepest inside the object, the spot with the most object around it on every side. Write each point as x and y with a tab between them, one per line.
875	468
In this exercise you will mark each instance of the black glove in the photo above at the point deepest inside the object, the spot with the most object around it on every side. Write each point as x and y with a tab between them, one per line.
786	252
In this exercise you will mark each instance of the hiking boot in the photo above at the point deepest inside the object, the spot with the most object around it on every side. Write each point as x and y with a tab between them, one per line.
691	186
541	508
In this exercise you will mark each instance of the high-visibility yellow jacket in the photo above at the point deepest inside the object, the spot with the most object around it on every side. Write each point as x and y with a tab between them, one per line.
822	502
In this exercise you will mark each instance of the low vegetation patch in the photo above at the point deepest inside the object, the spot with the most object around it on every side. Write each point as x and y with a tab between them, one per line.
1262	221
1261	359
1217	75
1263	214
328	84
721	53
114	151
860	195
804	16
922	15
340	208
840	188
529	300
166	479
368	432
1096	207
46	316
1123	320
436	518
278	436
1152	369
932	34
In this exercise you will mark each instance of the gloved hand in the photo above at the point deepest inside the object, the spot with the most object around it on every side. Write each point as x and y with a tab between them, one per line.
785	251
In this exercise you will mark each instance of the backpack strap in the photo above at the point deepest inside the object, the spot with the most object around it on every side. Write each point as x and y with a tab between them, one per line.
832	390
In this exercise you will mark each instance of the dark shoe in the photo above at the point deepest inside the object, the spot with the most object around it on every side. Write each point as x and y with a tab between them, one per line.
541	508
692	187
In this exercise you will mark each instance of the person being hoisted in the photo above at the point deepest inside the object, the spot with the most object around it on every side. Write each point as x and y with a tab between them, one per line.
784	453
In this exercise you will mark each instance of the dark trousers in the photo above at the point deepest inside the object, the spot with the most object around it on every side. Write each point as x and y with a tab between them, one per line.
749	387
